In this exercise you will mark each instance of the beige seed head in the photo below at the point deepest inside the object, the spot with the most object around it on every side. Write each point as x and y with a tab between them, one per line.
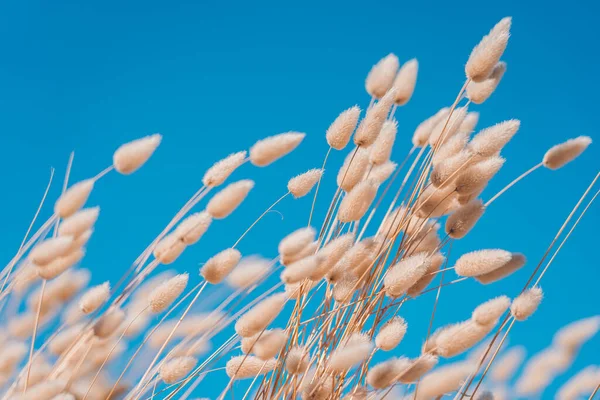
566	152
357	393
481	262
345	287
371	125
517	261
65	339
404	274
405	82
583	383
221	170
435	202
381	173
94	298
242	367
21	325
418	367
228	199
73	198
11	355
353	170
131	156
300	270
423	132
575	334
445	379
507	364
357	202
446	128
348	355
489	312
451	147
491	140
386	373
469	123
261	315
64	396
447	171
478	92
191	229
45	390
248	272
25	276
176	369
463	219
524	305
60	265
381	76
437	260
296	241
296	362
391	334
381	150
358	254
220	265
487	53
272	148
339	132
169	249
266	345
108	323
301	185
79	222
316	387
165	294
50	249
456	339
309	250
331	253
478	175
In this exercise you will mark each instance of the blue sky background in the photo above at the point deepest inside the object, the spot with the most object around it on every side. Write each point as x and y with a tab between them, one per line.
213	77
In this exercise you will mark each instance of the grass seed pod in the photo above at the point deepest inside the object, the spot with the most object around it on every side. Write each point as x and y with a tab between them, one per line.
381	173
386	373
566	152
268	344
507	364
94	298
481	262
60	265
489	312
371	125
451	147
176	369
315	387
248	272
357	202
79	222
307	251
331	253
73	198
108	323
354	257
381	76
423	131
353	169
405	82
447	128
478	92
220	265
418	367
437	260
272	148
169	248
516	262
296	241
65	339
447	171
296	362
464	218
339	132
221	170
11	355
491	140
435	202
345	287
478	175
191	229
381	150
583	383
300	270
469	123
348	355
445	379
261	315
575	334
50	249
524	305
21	325
461	337
131	156
404	274
301	185
228	199
165	294
45	390
243	367
487	53
391	334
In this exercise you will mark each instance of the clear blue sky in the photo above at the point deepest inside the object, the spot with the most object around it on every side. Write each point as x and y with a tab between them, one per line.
213	77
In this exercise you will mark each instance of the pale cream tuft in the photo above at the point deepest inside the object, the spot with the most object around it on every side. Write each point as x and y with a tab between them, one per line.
302	184
191	229
297	359
248	272
74	198
242	367
176	369
339	132
458	338
164	295
131	156
391	334
481	262
228	199
487	53
169	248
296	241
403	275
79	222
349	354
524	305
478	175
221	170
517	261
108	323
302	269
489	312
357	202
96	296
405	82
381	173
381	76
443	380
265	345
220	265
353	169
371	125
478	92
573	335
445	128
491	140
386	373
423	131
50	249
381	150
60	264
418	367
508	363
271	149
566	152
331	253
261	315
463	219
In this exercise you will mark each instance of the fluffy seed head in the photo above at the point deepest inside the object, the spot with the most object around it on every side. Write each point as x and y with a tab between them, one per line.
353	170
381	173
302	184
406	273
418	367
220	265
64	339
191	229
94	298
463	219
300	270
478	92
176	369
573	335
242	367
79	222
371	125
248	272
339	132
331	253
271	149
21	325
266	345
583	383
423	132
162	297
457	339
447	171
221	170
517	261
391	334
261	315
445	128
491	140
478	175
381	149
356	203
131	156
405	82
309	250
60	264
451	147
348	355
434	202
469	123
386	373
437	260
503	369
169	249
359	254
489	312
481	262
296	241
445	379
50	249
381	77
524	305
45	390
344	288
74	198
487	53
228	199
296	362
108	323
566	152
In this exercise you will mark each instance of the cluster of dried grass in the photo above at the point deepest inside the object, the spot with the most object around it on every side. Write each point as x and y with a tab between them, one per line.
345	291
